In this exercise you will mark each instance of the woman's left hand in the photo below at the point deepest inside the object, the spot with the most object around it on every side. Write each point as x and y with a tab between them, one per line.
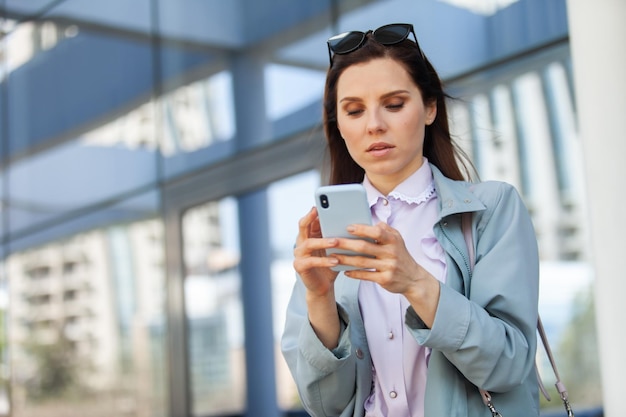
391	266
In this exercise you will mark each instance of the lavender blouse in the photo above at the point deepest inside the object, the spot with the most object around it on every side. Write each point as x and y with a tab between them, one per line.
399	362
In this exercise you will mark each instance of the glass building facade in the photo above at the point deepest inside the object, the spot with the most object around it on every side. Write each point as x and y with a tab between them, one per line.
156	156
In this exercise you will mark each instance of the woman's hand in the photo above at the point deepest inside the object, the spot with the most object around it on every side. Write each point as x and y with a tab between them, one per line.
310	260
391	266
313	266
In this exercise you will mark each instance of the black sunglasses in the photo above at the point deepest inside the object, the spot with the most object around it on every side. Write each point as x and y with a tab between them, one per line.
391	34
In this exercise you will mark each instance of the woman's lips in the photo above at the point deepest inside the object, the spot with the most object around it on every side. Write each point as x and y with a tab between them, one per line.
379	149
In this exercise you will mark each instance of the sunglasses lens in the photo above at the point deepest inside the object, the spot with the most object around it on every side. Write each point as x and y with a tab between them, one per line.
346	42
388	35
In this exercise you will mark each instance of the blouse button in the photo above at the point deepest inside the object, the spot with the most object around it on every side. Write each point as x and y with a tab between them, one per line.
390	335
393	394
385	202
359	353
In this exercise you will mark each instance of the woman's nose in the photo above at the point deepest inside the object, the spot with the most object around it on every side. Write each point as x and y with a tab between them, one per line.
375	122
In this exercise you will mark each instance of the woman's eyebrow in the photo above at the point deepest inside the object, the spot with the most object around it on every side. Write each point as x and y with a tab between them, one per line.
394	93
350	99
384	96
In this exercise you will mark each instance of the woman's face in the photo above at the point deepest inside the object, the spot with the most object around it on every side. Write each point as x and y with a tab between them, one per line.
382	118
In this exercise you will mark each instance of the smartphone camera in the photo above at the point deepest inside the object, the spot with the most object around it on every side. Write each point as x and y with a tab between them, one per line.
324	200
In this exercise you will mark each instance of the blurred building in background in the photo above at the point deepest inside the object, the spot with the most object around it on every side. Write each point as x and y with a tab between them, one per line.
156	156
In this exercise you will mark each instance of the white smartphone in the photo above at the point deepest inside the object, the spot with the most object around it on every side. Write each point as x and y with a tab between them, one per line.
339	206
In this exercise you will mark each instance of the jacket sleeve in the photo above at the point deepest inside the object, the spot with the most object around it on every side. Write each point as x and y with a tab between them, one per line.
326	380
489	334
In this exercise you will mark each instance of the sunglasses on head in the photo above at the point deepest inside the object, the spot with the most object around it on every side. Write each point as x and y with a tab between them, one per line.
391	34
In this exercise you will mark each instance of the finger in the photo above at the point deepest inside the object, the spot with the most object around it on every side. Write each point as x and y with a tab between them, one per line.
306	225
302	264
369	255
362	246
379	233
356	261
309	246
363	274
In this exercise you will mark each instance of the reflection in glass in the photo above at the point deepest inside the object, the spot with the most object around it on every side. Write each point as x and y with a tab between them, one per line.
87	324
281	82
567	145
23	41
214	309
197	122
289	200
71	176
460	126
197	115
4	351
506	141
482	134
66	145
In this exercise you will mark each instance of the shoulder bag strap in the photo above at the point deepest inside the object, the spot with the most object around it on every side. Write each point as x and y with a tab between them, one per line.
466	225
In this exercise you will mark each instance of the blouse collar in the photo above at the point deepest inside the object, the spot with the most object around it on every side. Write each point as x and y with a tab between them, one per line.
417	188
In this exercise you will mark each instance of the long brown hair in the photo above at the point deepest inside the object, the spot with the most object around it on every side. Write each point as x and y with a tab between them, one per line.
439	148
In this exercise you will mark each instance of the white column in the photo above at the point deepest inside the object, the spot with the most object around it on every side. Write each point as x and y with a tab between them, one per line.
598	35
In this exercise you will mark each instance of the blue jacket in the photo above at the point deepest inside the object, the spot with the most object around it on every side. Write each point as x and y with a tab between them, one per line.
484	333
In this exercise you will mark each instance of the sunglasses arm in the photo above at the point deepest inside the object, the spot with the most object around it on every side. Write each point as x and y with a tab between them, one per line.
330	56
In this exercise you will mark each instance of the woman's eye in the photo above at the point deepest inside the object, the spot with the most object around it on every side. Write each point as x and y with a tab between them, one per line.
395	106
353	112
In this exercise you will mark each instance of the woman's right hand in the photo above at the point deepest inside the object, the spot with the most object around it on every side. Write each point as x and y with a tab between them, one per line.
310	260
313	266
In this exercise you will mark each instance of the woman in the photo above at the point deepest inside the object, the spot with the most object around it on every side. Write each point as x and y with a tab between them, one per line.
421	327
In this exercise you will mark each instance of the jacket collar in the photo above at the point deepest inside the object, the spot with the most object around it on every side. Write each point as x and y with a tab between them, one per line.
454	196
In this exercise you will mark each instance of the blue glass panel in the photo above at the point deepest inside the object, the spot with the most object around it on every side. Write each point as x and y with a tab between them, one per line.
88	315
79	117
214	308
50	185
197	123
289	200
